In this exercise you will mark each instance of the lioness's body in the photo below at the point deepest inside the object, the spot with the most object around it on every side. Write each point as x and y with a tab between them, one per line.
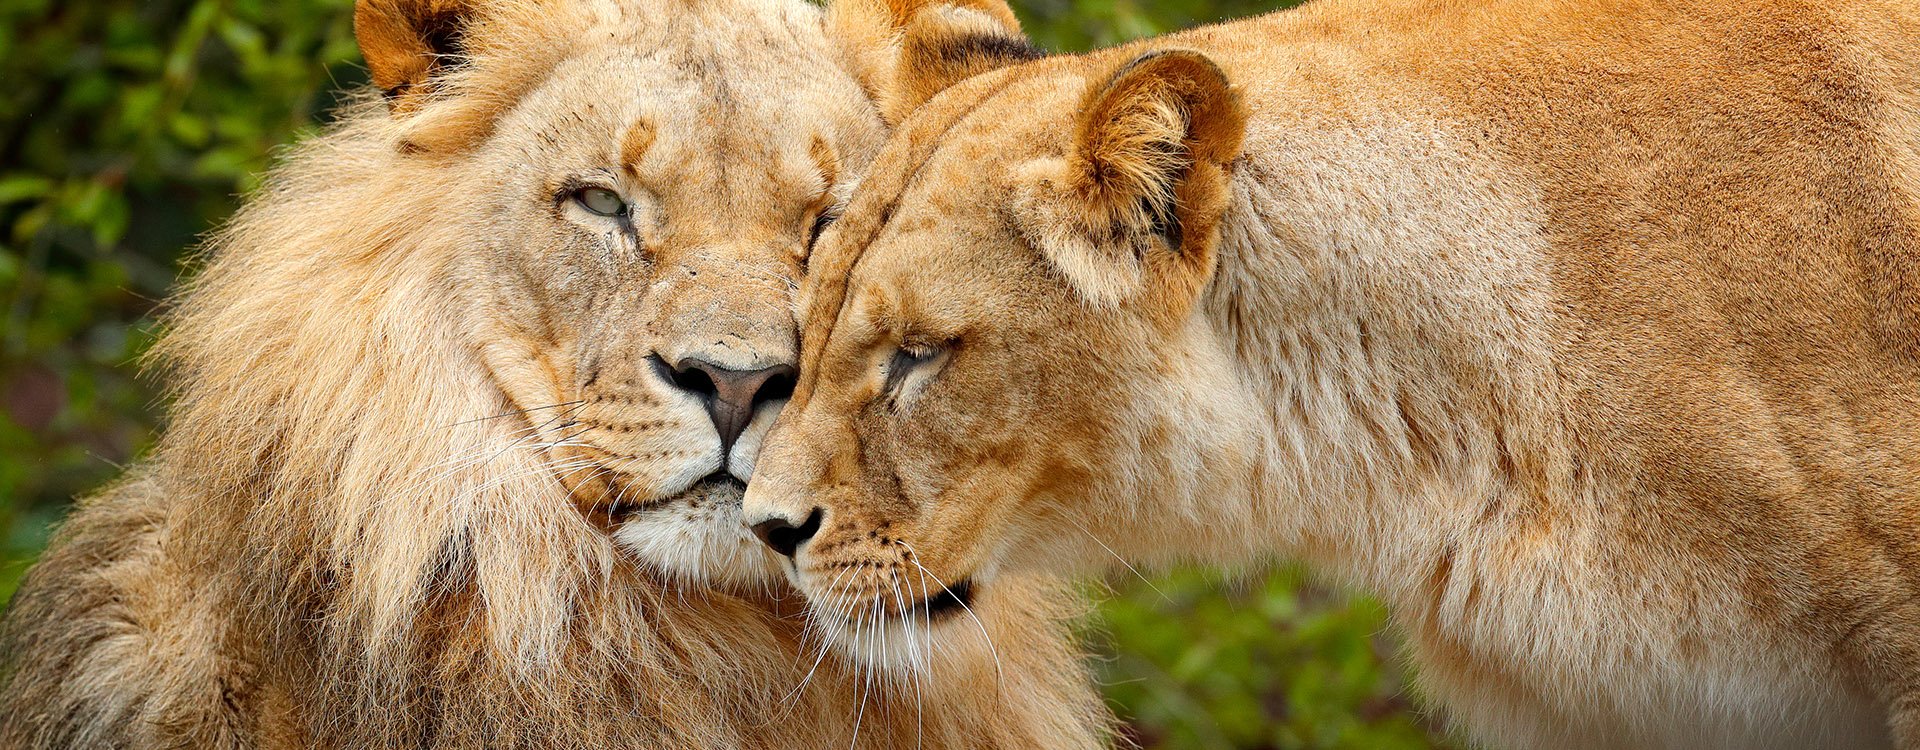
437	473
1587	334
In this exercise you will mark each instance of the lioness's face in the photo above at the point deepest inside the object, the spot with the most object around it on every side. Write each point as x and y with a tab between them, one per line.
653	211
989	353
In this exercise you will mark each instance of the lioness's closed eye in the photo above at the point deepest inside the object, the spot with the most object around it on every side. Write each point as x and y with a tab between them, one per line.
1586	335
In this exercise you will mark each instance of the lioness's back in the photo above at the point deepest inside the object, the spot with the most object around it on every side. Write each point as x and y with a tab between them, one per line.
1692	231
1727	194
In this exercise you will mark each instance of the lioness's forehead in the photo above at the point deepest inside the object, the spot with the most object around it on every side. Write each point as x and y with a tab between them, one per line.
949	207
939	179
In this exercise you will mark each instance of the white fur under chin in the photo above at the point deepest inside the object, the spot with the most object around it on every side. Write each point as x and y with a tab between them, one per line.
909	648
700	538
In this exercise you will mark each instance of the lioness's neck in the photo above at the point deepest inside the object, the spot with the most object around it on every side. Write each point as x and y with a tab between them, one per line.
1398	359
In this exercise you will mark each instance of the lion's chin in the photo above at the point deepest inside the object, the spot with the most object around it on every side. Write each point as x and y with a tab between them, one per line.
698	537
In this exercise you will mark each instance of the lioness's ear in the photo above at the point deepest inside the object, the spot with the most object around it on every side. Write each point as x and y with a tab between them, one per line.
407	42
906	51
1144	183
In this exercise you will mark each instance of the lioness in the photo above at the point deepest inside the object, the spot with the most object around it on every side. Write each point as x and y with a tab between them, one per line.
1586	334
464	400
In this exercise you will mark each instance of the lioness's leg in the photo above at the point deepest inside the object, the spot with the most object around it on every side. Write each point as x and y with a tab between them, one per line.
1884	641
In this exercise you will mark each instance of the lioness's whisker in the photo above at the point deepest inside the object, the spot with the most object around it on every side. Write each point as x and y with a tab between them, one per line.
823	647
999	675
1123	561
866	679
906	620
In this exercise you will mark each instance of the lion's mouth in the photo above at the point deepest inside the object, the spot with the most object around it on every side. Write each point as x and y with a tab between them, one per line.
719	484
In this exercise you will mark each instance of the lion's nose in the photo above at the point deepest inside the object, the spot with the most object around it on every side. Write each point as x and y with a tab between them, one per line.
784	537
730	395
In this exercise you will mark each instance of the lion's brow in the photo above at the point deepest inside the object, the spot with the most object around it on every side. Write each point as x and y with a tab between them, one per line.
634	145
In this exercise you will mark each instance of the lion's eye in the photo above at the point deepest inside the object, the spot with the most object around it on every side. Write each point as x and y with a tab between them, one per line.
600	201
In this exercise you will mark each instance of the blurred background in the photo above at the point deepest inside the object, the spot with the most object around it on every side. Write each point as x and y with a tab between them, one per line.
128	128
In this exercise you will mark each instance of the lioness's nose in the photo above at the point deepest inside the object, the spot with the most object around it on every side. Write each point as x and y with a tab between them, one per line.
731	395
783	536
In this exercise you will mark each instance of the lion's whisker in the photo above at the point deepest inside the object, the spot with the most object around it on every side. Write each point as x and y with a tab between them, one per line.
474	458
518	411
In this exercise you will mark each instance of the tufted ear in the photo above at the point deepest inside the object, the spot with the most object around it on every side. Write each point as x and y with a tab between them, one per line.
406	43
1143	185
906	51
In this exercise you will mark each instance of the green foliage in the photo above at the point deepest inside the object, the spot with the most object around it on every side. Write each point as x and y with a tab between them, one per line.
1199	661
130	127
1079	25
127	127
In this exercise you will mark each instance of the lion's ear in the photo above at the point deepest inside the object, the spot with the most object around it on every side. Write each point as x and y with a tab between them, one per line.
406	43
906	51
1144	182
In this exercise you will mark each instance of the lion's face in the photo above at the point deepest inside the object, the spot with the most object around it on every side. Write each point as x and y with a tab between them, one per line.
989	348
649	213
638	184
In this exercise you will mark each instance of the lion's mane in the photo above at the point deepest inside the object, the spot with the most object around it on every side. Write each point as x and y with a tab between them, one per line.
337	544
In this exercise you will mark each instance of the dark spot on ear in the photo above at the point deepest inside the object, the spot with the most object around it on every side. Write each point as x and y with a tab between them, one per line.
1162	215
1165	221
991	47
443	32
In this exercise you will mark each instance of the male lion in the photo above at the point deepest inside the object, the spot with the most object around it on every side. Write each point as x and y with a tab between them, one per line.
464	399
1586	334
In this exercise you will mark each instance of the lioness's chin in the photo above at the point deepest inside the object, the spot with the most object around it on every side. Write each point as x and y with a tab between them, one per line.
905	641
698	537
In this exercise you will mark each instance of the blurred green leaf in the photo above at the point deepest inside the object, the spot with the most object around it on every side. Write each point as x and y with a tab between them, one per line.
16	188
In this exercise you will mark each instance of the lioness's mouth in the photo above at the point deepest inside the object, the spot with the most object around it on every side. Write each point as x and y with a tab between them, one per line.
949	601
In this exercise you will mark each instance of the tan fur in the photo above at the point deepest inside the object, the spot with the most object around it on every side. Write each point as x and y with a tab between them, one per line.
1586	334
906	51
421	487
407	43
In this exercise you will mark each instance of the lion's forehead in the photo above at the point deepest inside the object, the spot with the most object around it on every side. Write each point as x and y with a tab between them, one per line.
609	88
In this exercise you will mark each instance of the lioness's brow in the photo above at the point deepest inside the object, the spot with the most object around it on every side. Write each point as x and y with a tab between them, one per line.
871	210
